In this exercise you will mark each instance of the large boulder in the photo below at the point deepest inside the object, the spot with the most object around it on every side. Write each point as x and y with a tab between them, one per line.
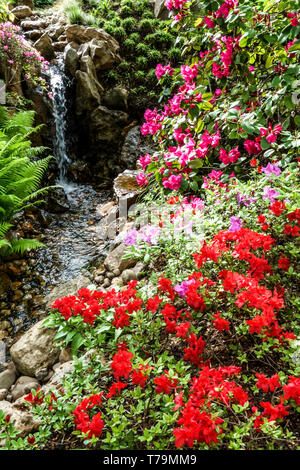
23	420
45	47
87	94
35	350
71	60
106	125
22	12
102	55
87	66
116	98
82	34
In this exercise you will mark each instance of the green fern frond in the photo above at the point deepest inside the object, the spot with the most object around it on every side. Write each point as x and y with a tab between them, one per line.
20	246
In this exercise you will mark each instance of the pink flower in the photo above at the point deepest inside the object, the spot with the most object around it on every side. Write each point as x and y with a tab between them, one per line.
173	182
142	179
161	71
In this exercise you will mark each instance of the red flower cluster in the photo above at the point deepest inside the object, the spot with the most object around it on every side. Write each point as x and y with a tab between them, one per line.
164	384
197	424
220	323
89	304
267	384
94	426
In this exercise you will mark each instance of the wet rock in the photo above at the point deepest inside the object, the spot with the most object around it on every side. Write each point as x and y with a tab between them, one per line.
106	125
133	274
57	201
60	46
116	98
23	420
55	31
23	386
7	378
71	60
45	47
5	284
21	12
115	259
35	350
134	146
87	94
126	188
67	288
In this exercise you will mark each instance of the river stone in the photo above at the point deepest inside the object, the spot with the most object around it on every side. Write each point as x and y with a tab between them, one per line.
7	378
33	35
3	393
55	382
71	60
21	12
67	288
45	47
20	417
87	94
5	283
23	386
35	349
114	260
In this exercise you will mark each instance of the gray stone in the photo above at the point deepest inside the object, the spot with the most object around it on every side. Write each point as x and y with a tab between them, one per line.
7	378
35	350
134	146
115	259
65	355
23	386
41	374
36	24
87	66
23	420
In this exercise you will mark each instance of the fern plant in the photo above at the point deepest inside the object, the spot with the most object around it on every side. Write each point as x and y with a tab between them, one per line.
20	176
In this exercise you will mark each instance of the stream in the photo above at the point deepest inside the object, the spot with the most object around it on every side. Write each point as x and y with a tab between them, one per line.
73	239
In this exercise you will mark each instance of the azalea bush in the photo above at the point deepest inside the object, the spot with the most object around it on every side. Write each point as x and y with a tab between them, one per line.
236	98
18	54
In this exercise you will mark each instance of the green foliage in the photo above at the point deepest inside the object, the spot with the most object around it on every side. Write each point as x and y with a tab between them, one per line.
20	176
43	3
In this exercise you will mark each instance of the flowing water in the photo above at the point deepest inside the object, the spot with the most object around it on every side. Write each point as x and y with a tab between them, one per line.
73	239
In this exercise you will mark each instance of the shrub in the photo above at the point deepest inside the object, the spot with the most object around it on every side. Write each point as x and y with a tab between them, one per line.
128	23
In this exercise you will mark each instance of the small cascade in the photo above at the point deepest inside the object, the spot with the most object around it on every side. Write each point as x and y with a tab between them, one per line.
59	83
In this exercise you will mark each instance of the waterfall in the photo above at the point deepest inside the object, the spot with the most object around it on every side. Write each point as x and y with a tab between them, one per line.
59	83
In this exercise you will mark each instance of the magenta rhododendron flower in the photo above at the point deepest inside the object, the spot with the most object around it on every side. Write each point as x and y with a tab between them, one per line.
142	179
270	194
160	70
271	170
252	147
173	182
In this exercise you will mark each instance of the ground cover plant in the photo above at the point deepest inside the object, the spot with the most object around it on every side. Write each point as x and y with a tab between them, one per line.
203	352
